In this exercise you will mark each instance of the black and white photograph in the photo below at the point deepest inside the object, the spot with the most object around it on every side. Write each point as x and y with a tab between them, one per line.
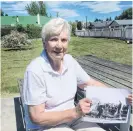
109	105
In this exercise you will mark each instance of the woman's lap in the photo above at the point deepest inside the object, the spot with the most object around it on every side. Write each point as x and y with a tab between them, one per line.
78	126
86	126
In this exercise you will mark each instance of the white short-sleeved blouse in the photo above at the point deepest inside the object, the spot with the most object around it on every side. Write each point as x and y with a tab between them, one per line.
44	85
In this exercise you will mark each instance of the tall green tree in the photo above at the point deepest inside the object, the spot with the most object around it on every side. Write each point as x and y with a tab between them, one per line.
126	14
79	25
42	8
108	19
96	20
35	8
2	12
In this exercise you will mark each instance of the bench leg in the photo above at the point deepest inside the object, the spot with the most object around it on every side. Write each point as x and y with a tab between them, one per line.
126	126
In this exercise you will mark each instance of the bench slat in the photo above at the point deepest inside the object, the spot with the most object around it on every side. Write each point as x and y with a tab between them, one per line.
108	78
111	64
107	70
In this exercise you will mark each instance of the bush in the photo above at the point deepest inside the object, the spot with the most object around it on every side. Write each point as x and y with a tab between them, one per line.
33	31
20	28
15	40
6	30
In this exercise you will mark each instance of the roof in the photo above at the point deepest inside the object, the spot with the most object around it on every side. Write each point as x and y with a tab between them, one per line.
101	24
44	20
124	22
8	20
24	20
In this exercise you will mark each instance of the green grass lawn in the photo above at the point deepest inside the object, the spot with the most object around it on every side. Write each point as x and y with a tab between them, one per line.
14	62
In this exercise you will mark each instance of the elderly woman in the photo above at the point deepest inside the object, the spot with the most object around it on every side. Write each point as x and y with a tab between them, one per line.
51	80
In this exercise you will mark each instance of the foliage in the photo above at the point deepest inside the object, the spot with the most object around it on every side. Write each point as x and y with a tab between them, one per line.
108	19
2	12
96	20
15	40
33	31
74	25
42	9
127	14
79	25
6	30
35	8
57	14
20	28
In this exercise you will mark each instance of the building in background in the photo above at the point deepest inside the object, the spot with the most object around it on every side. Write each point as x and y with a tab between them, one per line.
121	23
24	20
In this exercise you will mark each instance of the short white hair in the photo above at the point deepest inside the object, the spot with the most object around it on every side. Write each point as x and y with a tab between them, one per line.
55	27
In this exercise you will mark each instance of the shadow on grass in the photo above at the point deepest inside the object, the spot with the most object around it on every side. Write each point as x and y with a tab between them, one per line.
17	49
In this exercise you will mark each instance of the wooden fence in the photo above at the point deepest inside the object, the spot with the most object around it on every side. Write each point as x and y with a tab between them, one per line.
121	33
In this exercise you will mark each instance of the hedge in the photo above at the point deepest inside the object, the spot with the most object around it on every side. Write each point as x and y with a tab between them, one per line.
32	30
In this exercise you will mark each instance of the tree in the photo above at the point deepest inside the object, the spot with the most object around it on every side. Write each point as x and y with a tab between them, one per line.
96	20
35	8
79	25
108	19
127	14
73	24
2	12
116	18
57	14
42	8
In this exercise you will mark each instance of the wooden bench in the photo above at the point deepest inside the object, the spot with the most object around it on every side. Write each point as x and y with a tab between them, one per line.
111	73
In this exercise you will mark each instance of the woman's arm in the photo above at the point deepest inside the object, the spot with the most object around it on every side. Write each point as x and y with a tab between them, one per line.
91	82
40	117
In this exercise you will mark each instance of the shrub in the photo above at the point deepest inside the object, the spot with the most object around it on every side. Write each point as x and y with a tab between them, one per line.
20	28
6	30
15	40
33	31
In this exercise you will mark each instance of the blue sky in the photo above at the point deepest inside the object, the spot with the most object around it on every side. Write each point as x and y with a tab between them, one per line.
72	10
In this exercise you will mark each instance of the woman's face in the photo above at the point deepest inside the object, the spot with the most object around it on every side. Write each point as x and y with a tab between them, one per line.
57	46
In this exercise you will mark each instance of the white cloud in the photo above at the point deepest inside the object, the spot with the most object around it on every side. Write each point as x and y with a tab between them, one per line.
65	13
18	7
102	6
57	4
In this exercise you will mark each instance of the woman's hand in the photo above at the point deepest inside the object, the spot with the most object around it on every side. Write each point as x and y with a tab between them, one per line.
130	99
83	107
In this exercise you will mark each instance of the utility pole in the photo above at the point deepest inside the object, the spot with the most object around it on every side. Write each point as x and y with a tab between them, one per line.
86	22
